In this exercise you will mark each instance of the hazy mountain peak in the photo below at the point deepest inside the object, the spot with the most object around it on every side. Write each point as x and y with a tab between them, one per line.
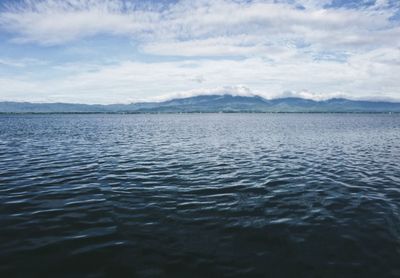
211	103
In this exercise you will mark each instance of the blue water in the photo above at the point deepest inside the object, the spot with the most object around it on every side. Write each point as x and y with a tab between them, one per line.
200	195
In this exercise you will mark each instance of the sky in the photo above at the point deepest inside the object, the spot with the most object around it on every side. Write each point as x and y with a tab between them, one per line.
120	51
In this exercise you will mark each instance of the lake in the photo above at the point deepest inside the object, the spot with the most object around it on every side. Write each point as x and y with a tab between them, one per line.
200	195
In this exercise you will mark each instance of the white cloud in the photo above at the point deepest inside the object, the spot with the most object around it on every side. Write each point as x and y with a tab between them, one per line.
21	63
312	95
268	47
132	81
11	63
216	46
56	21
238	90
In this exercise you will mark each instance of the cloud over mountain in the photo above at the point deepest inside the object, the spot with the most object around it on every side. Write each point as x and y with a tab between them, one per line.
114	50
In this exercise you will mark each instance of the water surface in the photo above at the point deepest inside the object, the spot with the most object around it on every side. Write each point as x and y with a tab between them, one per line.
200	195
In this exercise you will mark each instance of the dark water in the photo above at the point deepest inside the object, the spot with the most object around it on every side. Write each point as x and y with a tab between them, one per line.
216	195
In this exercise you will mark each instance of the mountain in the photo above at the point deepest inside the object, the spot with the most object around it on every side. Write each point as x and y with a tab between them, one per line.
27	107
210	103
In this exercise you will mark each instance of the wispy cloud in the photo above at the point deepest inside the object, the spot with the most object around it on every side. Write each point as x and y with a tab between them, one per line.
269	46
56	21
132	81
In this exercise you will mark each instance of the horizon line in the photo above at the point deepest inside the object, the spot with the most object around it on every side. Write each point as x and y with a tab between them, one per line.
171	97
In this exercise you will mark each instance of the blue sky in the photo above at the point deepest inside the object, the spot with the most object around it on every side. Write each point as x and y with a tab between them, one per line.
120	51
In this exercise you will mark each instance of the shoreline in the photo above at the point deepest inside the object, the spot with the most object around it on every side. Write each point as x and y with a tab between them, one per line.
194	112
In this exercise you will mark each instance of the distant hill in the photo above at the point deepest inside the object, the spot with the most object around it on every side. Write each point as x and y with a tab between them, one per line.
210	103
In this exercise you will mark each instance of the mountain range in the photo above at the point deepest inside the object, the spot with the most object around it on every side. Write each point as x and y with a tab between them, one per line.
211	103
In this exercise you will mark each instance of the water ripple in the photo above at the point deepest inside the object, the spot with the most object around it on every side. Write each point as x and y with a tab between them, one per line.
200	195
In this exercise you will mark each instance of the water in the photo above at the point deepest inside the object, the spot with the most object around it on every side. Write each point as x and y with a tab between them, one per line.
200	195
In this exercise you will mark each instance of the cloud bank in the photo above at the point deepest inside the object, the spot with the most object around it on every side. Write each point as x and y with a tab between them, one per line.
270	47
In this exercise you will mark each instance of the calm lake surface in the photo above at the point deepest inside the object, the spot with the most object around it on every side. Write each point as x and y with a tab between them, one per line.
200	195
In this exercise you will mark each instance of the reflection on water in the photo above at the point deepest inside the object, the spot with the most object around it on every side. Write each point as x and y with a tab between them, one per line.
278	195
